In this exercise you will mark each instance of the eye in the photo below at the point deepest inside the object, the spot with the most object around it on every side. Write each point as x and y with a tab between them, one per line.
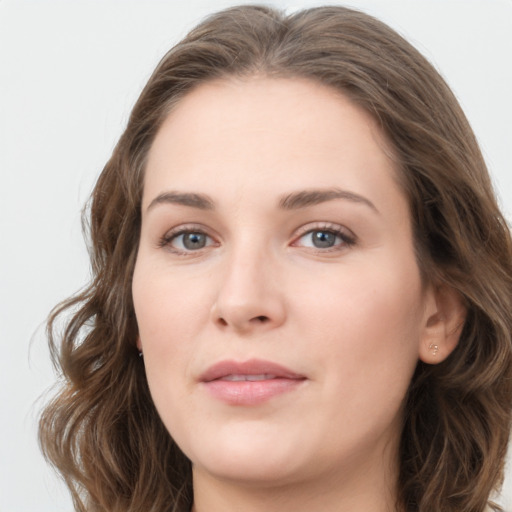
322	239
191	241
325	238
186	240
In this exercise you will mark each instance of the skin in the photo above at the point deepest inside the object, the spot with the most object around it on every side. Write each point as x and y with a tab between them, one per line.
352	319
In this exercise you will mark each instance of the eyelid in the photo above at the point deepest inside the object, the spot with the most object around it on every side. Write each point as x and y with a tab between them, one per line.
324	225
348	237
164	241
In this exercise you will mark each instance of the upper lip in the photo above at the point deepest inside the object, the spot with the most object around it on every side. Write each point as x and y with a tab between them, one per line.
251	367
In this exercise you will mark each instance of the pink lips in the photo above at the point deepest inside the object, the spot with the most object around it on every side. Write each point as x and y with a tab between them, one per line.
249	383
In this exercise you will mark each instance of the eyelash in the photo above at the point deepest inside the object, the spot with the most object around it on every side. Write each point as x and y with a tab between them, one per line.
166	241
347	238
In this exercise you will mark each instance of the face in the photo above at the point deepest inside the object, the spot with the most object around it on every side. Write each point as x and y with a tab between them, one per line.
278	299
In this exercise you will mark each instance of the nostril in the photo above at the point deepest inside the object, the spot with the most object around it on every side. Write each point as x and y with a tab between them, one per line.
242	323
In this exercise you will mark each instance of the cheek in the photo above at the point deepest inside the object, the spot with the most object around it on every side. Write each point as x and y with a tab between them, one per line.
368	325
369	359
167	306
167	318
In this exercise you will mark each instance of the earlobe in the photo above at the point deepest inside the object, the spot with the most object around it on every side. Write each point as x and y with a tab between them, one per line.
139	344
444	321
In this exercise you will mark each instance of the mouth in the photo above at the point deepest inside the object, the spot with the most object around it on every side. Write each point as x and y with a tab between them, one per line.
249	383
251	378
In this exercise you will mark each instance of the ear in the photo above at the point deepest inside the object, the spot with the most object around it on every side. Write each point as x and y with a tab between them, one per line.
444	319
139	344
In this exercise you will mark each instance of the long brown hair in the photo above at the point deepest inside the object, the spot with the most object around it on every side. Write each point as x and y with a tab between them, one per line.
102	430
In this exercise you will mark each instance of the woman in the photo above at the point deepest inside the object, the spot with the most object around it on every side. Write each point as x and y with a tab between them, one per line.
298	234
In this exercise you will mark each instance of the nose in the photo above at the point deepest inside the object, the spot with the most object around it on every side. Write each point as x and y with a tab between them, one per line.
249	297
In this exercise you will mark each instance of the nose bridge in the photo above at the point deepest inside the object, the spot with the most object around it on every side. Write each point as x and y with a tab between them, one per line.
249	296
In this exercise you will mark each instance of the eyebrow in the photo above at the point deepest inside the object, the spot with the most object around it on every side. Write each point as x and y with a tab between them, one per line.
305	198
200	201
292	201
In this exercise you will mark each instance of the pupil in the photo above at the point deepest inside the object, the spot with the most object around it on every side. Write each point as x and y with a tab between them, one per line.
194	240
323	239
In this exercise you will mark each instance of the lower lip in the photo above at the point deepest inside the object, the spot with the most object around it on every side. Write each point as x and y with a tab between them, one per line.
250	392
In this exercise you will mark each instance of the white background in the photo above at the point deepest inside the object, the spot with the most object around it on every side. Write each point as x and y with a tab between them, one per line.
69	73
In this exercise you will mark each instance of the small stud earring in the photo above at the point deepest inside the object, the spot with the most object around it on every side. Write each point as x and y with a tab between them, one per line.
434	348
140	353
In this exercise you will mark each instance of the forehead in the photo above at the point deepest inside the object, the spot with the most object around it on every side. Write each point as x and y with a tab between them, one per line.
259	131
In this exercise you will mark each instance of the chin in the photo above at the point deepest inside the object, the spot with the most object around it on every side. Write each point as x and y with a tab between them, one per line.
252	456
